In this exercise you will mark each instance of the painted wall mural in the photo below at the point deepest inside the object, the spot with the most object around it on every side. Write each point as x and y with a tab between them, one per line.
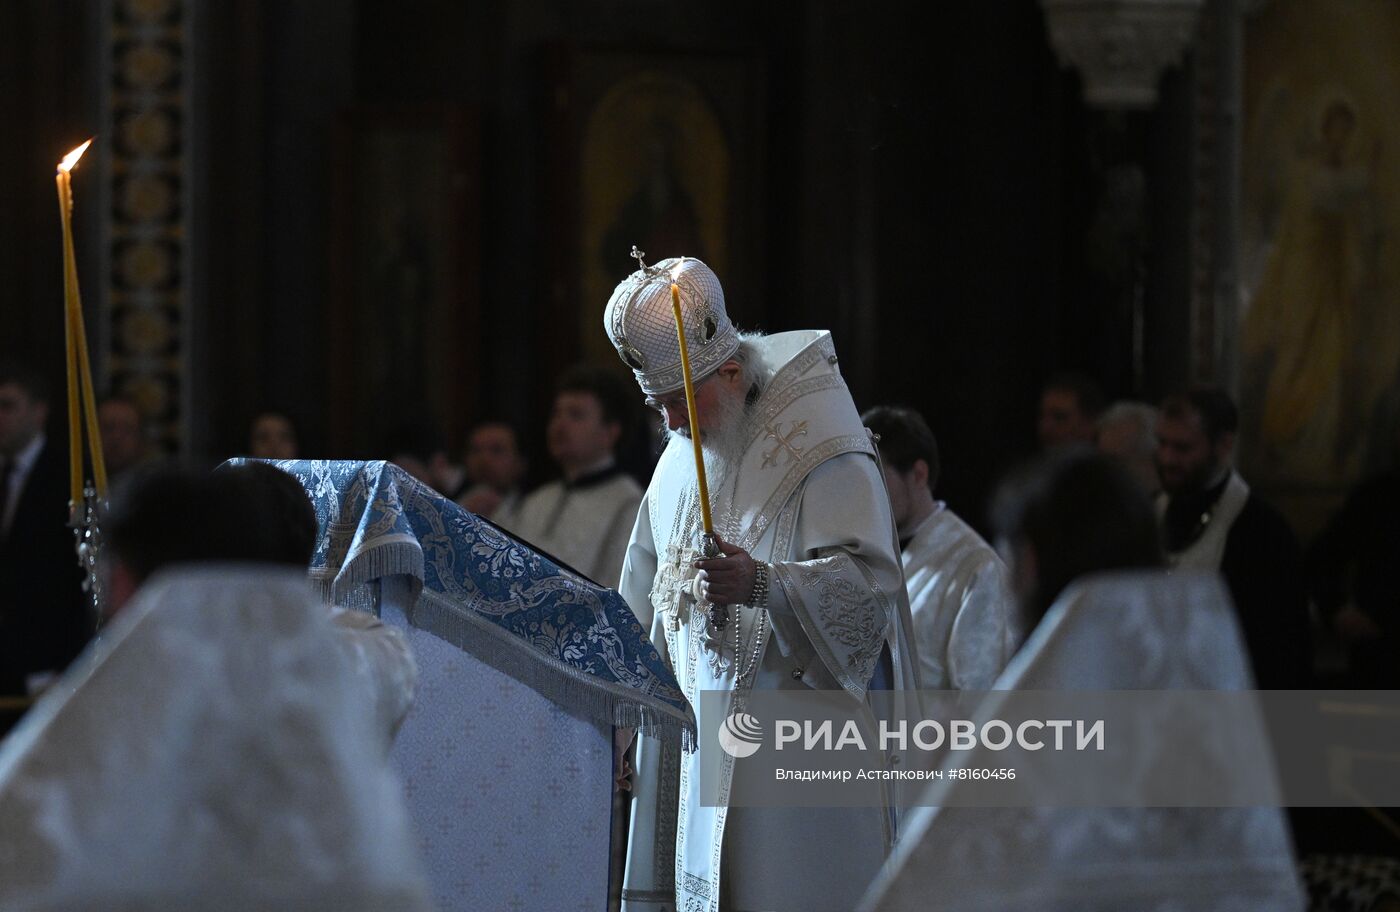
1319	325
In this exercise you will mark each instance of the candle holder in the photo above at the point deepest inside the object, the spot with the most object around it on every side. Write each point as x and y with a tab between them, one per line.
85	520
717	616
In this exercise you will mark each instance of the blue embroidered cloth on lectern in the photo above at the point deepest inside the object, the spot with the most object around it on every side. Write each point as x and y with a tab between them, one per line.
575	642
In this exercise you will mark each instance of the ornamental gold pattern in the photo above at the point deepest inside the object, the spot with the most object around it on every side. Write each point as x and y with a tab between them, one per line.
146	320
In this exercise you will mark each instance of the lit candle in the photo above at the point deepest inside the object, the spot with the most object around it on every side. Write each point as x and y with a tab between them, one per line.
79	365
690	408
72	314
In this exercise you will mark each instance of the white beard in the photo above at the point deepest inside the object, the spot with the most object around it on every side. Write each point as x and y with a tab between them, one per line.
723	446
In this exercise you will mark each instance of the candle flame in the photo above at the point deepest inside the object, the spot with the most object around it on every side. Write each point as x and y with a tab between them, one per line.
676	272
70	161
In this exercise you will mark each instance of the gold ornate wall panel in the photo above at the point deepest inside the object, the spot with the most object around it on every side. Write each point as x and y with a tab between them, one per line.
146	322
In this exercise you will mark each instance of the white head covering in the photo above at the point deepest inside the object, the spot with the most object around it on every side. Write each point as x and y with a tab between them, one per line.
642	326
210	751
1132	631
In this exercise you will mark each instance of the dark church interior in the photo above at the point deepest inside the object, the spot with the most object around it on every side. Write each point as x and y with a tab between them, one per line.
1065	238
910	166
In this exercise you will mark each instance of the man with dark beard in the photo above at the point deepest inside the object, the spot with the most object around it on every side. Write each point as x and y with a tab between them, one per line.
1211	521
807	595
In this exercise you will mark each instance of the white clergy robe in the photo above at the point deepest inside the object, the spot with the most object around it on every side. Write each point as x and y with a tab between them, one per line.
585	523
1133	631
808	497
218	747
964	612
384	665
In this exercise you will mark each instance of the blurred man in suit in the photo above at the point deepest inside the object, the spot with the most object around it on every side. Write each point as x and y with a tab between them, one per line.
43	619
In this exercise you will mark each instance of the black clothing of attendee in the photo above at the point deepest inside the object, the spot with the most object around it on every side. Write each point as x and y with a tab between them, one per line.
1263	569
1188	515
44	622
1356	560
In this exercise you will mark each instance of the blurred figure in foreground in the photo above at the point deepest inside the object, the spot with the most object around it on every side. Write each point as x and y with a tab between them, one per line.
1070	515
1082	542
222	745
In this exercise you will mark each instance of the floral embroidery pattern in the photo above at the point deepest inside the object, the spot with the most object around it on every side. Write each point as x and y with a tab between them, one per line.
849	614
376	521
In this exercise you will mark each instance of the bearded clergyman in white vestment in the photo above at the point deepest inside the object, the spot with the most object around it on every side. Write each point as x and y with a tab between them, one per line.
810	576
960	598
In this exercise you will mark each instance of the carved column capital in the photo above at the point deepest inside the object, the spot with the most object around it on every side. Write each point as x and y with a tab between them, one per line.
1121	47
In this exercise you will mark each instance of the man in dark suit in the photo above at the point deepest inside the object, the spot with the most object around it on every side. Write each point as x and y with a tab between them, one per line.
44	622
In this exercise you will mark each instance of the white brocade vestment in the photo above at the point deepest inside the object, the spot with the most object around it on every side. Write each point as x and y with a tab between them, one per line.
965	621
218	747
808	497
585	524
385	665
1117	631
